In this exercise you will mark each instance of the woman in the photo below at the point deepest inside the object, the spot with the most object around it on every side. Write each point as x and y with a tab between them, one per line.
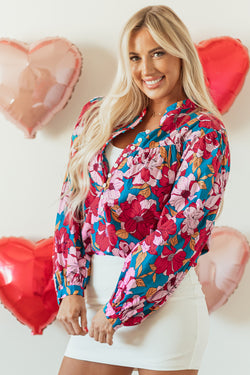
148	168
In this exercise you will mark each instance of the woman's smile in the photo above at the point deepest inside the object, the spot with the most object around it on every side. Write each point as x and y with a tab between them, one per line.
153	83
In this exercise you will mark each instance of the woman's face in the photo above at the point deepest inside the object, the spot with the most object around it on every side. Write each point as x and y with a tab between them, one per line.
155	72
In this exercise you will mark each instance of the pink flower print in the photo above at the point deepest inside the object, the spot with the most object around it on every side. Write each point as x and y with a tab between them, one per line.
184	192
117	252
60	262
125	285
127	262
131	198
193	217
76	268
129	280
64	199
109	310
158	296
212	202
150	168
112	194
145	167
95	171
126	247
209	226
131	306
86	231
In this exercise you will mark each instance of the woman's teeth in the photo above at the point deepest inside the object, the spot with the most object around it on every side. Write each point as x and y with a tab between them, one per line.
151	83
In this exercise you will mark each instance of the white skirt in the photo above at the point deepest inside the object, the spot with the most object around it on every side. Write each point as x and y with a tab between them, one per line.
172	338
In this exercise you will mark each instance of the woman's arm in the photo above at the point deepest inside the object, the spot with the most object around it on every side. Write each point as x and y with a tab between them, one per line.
158	263
71	258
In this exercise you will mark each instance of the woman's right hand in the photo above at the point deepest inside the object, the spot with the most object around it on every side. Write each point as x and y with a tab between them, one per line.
71	308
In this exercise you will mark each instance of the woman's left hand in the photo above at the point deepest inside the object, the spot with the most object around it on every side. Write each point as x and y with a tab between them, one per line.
101	328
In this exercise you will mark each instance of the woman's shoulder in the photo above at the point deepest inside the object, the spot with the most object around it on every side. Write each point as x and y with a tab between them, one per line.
79	124
209	121
201	120
200	124
89	104
77	130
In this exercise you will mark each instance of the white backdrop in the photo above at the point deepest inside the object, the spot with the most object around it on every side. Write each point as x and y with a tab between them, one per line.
32	170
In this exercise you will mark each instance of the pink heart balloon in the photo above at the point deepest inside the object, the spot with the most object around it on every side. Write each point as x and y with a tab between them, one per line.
36	80
221	269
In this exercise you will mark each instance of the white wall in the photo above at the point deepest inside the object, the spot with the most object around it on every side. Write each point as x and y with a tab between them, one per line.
32	170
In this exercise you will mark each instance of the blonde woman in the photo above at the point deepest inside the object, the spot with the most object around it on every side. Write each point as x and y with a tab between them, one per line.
146	175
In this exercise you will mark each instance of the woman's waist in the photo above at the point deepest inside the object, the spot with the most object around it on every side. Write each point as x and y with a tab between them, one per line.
105	273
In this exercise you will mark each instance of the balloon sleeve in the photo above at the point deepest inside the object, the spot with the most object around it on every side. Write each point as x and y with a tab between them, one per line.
72	250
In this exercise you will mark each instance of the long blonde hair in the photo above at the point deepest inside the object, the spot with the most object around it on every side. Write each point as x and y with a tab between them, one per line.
125	101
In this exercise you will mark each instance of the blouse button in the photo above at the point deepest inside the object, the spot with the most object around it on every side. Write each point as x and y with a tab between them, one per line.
104	185
109	175
132	147
115	165
125	154
139	139
147	131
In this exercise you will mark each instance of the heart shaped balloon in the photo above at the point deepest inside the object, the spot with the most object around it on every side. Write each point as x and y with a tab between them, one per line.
36	80
26	283
225	62
221	269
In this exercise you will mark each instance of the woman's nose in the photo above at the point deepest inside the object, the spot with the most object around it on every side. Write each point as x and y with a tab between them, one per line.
147	66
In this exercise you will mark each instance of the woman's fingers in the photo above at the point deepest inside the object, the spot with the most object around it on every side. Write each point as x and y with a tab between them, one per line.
68	327
72	313
102	337
77	329
71	309
101	329
84	323
109	338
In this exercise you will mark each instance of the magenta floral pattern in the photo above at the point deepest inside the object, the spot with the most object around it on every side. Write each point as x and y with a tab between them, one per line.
155	208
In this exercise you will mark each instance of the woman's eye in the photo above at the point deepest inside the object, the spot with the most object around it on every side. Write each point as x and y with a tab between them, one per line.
159	53
134	58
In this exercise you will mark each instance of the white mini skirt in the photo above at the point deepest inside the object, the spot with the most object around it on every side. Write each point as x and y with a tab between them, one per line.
172	338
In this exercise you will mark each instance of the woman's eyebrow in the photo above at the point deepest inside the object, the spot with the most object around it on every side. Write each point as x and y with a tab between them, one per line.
150	51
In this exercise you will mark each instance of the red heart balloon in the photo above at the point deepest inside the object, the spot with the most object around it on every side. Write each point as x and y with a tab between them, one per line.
36	80
225	62
221	269
26	283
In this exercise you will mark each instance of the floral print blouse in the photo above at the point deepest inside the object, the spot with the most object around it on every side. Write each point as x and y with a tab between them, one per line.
155	208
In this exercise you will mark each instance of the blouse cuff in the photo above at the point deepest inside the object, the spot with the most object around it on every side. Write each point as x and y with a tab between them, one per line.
111	315
64	291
